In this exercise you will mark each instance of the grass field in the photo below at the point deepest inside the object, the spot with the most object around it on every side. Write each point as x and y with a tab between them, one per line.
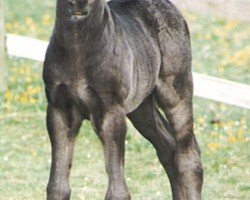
220	48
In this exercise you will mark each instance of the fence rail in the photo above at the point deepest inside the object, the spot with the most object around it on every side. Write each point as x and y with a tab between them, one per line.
26	47
222	90
204	86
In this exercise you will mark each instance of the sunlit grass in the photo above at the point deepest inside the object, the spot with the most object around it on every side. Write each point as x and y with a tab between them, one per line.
220	48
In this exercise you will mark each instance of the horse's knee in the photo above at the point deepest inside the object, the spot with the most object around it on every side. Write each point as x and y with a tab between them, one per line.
56	192
114	125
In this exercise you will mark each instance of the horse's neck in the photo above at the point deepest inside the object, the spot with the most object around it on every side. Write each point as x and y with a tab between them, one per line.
70	32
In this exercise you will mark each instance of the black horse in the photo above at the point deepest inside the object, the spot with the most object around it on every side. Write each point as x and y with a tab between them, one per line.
106	61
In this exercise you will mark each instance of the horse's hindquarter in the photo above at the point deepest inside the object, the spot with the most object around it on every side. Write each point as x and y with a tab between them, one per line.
139	35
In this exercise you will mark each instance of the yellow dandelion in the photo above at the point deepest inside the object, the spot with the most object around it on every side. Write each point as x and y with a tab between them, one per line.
241	135
33	90
46	20
213	146
220	33
241	57
221	68
232	139
13	79
230	123
230	25
27	70
200	120
28	80
224	62
32	28
38	89
240	132
34	153
8	26
28	21
36	77
24	99
32	101
21	71
214	133
8	95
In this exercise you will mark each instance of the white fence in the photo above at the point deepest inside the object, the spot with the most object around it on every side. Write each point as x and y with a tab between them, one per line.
204	86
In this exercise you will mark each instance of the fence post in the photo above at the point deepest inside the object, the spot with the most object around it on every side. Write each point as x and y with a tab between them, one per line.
3	70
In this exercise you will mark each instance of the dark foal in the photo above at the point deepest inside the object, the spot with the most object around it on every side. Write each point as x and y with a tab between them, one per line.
106	61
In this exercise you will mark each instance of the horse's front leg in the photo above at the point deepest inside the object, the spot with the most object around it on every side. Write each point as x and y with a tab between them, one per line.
63	125
112	133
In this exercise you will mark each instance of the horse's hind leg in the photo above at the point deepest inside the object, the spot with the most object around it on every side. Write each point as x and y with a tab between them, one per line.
174	92
177	105
152	125
175	97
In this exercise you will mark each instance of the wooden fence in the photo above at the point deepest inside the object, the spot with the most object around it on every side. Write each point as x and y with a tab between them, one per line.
204	86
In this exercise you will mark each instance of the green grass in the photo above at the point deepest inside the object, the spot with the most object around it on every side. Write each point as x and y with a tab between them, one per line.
220	48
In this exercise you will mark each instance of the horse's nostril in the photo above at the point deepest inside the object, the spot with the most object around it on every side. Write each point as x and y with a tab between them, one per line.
72	2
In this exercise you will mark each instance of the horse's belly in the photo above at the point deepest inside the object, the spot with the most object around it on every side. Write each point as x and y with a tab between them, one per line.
136	97
145	74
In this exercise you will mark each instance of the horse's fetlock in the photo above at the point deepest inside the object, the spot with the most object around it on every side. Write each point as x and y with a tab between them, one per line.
57	192
118	196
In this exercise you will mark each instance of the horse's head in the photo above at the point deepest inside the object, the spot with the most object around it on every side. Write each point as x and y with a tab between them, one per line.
80	8
75	9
